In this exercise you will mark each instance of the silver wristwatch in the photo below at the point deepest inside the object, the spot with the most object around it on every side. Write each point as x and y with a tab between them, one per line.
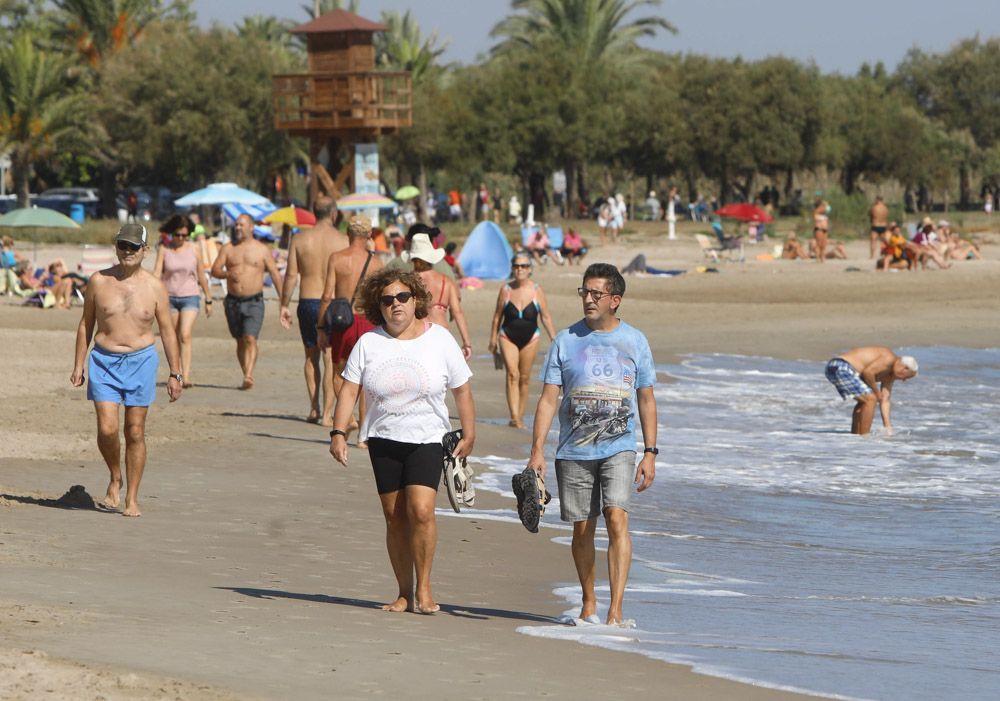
177	376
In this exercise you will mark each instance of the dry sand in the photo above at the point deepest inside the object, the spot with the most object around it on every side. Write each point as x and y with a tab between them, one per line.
257	567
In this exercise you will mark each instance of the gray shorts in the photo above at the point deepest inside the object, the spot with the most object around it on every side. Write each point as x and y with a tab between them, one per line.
587	487
245	315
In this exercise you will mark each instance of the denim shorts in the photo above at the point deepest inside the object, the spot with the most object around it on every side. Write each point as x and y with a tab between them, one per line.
587	487
190	303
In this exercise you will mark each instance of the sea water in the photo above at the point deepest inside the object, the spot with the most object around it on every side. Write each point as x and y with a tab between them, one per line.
776	548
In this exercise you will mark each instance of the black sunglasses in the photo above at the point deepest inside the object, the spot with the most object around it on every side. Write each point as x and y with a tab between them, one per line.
127	246
401	297
521	265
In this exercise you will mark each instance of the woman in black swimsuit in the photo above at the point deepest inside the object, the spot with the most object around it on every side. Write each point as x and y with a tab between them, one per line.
515	330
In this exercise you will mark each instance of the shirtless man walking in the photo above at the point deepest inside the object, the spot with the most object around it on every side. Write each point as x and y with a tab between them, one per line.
122	302
307	260
242	264
343	274
879	216
857	375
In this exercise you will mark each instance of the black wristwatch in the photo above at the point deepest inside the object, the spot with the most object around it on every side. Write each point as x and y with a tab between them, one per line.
654	451
337	432
177	376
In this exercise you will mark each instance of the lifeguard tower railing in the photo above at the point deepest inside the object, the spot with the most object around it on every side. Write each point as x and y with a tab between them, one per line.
312	103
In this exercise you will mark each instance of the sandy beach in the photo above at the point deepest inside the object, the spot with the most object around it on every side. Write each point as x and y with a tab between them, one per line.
258	565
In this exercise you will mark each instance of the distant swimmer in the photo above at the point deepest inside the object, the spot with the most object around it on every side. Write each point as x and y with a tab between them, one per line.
857	375
121	303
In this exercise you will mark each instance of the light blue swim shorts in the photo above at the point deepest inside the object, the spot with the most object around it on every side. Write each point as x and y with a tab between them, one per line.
123	378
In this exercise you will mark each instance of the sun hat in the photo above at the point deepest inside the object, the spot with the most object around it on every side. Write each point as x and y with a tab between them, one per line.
422	248
134	234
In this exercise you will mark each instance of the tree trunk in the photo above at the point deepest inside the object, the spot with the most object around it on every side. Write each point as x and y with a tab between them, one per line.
692	185
789	184
850	180
964	187
20	166
422	184
581	181
570	203
536	184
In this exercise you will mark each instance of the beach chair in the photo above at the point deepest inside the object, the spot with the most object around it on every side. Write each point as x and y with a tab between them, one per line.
708	247
555	234
733	244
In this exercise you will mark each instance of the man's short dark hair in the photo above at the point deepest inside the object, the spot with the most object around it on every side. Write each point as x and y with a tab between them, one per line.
607	272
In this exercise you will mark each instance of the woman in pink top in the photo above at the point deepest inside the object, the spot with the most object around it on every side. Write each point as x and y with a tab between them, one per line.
183	273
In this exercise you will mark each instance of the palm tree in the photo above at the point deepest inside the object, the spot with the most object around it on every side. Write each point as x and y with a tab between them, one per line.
38	113
584	41
321	7
268	29
97	28
592	31
401	47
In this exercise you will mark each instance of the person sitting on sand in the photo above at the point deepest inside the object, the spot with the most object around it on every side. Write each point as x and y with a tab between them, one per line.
958	248
121	304
792	250
538	245
574	248
895	250
857	373
406	367
836	250
928	246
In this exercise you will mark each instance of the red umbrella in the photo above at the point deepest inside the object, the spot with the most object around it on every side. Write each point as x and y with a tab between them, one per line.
745	212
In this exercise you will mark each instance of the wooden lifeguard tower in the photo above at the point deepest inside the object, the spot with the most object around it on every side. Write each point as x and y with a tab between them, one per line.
342	100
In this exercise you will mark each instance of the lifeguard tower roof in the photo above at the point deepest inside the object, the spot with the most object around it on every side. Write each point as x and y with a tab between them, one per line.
339	21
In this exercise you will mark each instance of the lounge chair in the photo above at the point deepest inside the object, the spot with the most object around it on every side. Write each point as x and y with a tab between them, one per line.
708	248
728	243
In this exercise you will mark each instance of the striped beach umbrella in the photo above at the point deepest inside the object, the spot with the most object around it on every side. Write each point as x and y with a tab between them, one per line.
293	216
365	200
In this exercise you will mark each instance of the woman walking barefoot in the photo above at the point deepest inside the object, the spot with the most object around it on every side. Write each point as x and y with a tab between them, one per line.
445	299
406	366
180	267
515	331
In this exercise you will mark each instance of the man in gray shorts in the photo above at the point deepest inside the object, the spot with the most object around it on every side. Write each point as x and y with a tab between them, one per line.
604	368
243	264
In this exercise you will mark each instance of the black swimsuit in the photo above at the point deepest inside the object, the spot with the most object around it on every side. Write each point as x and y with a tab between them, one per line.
520	326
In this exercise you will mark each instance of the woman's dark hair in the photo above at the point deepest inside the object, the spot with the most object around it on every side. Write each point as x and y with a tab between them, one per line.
372	288
450	247
175	222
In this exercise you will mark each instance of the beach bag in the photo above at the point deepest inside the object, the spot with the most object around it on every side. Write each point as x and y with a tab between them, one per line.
340	314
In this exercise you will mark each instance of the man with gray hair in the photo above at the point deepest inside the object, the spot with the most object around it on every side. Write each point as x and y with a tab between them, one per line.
866	375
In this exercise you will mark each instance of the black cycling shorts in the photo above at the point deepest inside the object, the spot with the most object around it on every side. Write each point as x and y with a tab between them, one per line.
397	465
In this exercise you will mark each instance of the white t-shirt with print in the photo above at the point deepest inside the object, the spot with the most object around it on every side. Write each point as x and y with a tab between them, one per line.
405	383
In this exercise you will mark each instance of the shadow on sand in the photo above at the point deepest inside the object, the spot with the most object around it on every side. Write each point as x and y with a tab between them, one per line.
319	441
283	417
76	497
462	611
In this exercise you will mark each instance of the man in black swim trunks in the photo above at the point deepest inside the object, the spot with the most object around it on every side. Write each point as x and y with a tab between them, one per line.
243	264
879	216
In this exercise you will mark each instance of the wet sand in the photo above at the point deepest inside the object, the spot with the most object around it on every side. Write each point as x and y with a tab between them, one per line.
258	566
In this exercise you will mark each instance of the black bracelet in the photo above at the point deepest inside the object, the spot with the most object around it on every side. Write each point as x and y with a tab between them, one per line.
337	432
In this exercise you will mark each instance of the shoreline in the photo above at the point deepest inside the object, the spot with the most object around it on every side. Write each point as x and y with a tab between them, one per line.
254	547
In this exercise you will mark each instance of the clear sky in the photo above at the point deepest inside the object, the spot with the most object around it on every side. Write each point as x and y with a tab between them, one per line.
839	35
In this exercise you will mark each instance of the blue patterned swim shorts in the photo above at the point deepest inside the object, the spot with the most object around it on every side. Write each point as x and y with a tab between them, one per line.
846	379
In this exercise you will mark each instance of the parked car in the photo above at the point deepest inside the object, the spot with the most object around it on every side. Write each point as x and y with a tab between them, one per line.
62	198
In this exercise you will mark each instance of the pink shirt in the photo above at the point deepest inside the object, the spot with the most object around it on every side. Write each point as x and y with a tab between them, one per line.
180	272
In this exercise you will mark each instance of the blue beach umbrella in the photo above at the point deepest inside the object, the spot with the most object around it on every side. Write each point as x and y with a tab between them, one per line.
221	193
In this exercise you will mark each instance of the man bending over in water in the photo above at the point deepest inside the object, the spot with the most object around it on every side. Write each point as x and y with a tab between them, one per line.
857	373
122	302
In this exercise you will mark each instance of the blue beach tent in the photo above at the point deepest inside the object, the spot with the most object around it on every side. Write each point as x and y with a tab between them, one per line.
486	253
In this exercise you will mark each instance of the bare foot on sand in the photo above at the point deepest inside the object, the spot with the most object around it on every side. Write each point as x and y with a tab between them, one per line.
514	423
247	383
398	606
113	498
313	417
131	509
426	608
362	445
326	421
588	610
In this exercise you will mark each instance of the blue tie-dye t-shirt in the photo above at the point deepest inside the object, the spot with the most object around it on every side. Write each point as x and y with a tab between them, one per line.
599	372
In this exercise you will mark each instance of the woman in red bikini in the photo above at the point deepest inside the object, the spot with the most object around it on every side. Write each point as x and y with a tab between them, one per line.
444	293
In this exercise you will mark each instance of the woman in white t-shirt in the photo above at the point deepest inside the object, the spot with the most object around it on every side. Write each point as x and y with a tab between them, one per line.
406	367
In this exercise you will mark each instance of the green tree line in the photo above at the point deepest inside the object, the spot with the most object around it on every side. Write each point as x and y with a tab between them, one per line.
118	92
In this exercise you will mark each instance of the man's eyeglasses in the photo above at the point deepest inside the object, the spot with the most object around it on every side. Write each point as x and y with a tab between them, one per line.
598	295
521	265
401	297
127	246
